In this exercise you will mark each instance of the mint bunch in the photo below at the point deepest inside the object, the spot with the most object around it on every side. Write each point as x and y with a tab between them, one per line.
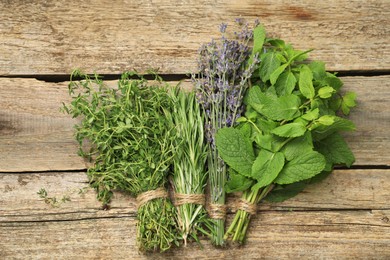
289	135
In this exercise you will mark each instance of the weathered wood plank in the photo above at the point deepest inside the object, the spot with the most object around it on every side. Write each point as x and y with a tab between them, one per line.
51	38
281	235
346	216
36	136
343	190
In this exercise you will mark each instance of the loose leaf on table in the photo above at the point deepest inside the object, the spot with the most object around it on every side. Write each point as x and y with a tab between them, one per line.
266	168
301	168
335	150
235	150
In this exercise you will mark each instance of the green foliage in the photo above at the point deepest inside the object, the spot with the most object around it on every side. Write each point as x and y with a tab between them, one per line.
126	131
189	173
292	123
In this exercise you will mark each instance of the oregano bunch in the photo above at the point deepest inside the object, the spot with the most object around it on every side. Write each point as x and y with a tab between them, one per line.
130	135
289	135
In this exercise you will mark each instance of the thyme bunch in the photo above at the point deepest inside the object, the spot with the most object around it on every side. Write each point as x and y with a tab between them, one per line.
129	132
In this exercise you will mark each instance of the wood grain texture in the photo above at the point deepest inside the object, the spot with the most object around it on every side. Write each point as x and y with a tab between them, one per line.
343	190
54	37
344	217
36	136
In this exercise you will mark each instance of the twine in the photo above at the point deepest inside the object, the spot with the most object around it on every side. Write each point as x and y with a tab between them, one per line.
247	206
181	199
151	195
217	211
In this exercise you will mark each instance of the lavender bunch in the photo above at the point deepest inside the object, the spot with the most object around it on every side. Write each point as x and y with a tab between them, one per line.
225	68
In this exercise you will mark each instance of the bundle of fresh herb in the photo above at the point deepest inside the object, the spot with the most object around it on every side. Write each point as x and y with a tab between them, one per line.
131	135
224	71
290	133
189	174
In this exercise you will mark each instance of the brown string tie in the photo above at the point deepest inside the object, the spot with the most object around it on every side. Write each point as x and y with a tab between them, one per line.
151	195
247	206
181	198
217	211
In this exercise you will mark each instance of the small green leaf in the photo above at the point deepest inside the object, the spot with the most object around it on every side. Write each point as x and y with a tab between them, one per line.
266	167
318	70
237	182
258	39
290	130
283	108
335	150
280	193
285	83
340	124
306	82
297	147
326	120
311	115
301	168
235	150
269	63
277	43
241	119
326	92
275	75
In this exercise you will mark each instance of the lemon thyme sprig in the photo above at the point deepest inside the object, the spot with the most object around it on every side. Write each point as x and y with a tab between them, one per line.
129	132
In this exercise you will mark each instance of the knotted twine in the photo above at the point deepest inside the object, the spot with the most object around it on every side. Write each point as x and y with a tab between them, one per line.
181	199
146	196
247	206
217	211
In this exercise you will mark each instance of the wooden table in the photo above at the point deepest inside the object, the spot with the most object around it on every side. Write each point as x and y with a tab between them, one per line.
344	217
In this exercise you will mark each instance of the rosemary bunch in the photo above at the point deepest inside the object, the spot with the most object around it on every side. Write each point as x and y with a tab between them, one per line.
189	175
225	67
129	131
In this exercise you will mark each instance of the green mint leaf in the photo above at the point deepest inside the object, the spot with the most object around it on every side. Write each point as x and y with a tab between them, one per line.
280	193
235	150
333	81
301	168
265	125
340	124
275	75
348	101
299	55
335	150
297	147
258	39
326	92
285	83
311	115
306	82
326	120
290	130
283	108
257	99
266	168
318	70
237	182
278	43
269	63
